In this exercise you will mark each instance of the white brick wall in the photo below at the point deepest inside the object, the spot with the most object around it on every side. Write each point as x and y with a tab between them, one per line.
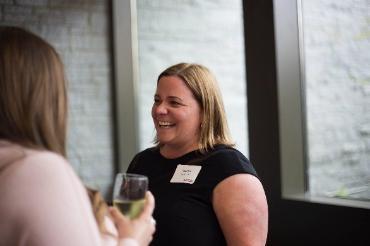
79	31
337	44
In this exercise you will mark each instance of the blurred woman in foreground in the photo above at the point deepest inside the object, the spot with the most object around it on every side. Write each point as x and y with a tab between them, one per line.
43	202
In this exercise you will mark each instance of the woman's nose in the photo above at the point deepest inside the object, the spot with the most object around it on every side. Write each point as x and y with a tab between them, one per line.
160	108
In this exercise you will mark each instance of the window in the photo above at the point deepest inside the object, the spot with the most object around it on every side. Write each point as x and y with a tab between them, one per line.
336	41
277	135
323	81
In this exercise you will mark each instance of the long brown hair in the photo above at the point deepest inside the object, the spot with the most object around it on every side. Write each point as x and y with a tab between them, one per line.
203	85
33	98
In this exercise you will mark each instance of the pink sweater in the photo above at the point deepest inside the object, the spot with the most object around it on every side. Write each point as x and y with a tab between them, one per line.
43	202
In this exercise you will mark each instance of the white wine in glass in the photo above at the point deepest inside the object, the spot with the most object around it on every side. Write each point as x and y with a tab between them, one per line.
129	193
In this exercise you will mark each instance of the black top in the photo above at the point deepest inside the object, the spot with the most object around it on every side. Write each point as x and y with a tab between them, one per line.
183	211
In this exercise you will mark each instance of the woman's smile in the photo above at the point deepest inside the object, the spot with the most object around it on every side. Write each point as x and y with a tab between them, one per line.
165	124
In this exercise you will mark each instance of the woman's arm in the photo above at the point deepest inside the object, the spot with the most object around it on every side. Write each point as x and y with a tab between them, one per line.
240	205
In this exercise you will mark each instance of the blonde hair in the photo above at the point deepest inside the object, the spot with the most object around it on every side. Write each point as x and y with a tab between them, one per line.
203	85
33	98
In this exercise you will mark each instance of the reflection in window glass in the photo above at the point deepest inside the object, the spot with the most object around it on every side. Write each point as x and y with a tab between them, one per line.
205	32
337	79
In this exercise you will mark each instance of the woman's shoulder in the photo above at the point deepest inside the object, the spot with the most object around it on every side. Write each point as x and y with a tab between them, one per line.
148	154
14	156
32	174
228	160
44	161
225	152
45	155
31	168
39	172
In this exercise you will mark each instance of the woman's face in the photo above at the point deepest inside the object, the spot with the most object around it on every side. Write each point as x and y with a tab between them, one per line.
176	114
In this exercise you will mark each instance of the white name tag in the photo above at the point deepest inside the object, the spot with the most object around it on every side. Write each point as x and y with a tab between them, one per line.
185	174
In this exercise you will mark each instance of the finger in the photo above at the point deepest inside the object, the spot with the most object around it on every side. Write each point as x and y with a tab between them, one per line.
117	216
149	206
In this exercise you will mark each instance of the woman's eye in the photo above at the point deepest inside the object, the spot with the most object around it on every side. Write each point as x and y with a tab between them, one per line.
175	103
156	100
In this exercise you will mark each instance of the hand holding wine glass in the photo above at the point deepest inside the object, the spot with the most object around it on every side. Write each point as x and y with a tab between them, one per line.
131	198
141	229
129	193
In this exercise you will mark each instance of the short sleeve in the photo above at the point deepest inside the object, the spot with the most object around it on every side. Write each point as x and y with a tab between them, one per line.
227	162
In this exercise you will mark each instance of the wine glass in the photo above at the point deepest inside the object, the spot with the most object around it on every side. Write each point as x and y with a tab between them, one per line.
129	193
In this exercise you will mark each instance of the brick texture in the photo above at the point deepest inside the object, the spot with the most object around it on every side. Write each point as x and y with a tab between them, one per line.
337	44
79	31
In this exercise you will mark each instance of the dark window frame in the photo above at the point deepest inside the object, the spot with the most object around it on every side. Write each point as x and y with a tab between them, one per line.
291	222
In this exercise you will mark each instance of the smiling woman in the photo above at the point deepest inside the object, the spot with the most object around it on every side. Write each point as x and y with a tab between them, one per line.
193	167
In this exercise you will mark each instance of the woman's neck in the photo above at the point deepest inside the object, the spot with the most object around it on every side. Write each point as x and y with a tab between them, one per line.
172	152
